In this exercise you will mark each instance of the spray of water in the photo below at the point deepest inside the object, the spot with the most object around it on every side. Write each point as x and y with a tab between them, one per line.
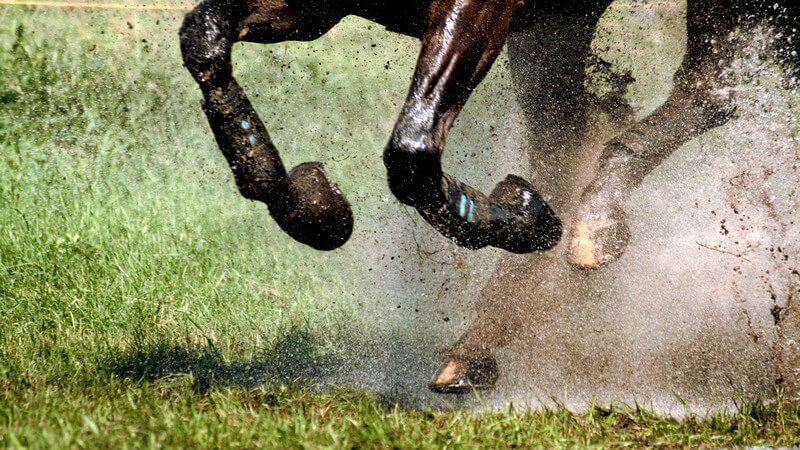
704	306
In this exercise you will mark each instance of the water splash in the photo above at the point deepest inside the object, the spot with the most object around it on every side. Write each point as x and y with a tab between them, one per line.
700	310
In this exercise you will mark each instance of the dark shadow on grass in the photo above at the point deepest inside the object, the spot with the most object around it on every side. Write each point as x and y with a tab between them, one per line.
300	359
296	358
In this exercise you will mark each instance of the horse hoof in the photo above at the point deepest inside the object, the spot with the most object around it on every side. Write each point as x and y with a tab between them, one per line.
322	218
530	224
462	375
597	240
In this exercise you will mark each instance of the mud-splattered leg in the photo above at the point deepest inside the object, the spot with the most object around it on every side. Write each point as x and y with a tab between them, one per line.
462	41
697	103
548	61
304	202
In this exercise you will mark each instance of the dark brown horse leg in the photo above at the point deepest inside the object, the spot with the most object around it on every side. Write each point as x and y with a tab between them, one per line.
462	41
548	60
697	103
305	202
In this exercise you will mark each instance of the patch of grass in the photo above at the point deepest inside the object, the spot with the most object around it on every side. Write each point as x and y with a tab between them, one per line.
145	303
119	224
169	411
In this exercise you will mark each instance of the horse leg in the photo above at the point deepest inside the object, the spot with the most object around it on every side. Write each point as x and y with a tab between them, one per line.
696	104
462	41
304	202
547	61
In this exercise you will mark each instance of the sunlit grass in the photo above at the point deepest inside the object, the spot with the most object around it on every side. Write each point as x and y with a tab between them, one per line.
145	303
172	411
119	221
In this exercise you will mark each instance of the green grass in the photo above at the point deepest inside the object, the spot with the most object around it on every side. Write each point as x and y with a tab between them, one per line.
145	304
170	412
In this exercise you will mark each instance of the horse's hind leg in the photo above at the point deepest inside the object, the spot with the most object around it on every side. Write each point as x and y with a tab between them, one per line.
696	104
548	60
462	41
304	202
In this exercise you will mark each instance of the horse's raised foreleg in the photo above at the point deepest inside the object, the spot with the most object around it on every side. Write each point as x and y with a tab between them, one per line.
697	103
462	41
305	202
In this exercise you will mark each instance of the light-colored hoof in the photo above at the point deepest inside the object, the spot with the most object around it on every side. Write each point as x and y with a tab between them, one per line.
583	251
597	242
448	373
459	376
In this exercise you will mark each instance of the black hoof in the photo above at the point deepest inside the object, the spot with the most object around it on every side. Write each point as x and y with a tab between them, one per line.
530	223
463	375
322	218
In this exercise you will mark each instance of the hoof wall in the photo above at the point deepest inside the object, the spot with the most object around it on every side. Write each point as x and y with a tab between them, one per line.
457	376
594	244
583	251
531	225
322	218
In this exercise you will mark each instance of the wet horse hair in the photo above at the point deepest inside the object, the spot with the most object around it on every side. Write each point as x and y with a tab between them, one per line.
460	41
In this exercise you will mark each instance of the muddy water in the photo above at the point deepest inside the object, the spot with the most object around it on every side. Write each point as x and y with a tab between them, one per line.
700	310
